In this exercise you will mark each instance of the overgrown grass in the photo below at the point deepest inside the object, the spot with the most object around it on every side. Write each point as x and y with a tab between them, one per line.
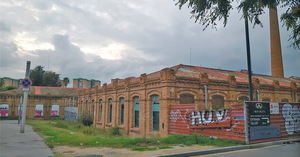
60	132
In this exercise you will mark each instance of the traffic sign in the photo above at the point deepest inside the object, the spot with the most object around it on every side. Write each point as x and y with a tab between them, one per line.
26	83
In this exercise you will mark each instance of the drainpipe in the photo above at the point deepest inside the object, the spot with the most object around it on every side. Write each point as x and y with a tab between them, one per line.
258	95
206	96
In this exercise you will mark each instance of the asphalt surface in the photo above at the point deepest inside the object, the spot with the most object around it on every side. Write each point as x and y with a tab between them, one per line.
283	150
15	144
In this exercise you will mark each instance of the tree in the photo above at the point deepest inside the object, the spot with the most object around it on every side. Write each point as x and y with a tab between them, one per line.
1	82
208	12
51	79
40	77
36	76
66	81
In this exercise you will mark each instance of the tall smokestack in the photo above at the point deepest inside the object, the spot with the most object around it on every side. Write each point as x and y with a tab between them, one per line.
276	55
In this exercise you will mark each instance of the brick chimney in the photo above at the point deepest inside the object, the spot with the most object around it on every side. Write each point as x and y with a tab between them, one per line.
276	56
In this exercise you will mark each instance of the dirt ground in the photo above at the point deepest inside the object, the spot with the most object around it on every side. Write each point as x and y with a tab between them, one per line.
66	151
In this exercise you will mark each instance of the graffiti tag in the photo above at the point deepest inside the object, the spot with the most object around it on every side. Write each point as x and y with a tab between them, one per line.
207	117
178	115
291	114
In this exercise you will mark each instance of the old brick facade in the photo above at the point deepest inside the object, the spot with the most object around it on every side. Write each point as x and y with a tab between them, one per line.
141	105
39	95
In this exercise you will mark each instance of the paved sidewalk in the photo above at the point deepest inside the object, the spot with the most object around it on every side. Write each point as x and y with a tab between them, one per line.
15	144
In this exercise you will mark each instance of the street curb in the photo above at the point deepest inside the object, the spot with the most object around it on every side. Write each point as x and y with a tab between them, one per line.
228	149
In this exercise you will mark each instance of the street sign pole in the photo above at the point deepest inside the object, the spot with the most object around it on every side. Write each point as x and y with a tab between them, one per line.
25	99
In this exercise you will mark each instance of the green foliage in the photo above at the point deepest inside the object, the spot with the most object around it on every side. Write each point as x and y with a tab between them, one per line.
86	119
1	83
40	77
61	124
8	88
75	134
291	19
11	87
88	131
208	12
66	81
115	131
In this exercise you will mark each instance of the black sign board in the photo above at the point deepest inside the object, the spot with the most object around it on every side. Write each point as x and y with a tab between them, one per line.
263	132
259	113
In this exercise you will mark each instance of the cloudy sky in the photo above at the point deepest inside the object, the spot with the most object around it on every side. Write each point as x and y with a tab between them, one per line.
104	39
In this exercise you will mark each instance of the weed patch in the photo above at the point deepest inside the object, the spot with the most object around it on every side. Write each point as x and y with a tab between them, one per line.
60	132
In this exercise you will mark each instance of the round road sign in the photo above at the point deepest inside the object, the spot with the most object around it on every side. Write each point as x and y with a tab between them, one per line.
26	83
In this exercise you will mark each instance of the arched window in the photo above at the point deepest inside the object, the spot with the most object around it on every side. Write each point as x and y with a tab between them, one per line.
110	108
136	112
243	98
92	108
100	110
186	99
121	110
217	101
266	99
86	107
284	100
155	112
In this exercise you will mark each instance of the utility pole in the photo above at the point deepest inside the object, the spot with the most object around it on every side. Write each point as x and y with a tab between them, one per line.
248	59
26	84
249	79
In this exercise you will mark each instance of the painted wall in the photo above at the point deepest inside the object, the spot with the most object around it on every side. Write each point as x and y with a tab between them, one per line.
282	122
226	123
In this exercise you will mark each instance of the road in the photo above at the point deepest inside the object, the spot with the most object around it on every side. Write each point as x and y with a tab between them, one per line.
15	144
284	150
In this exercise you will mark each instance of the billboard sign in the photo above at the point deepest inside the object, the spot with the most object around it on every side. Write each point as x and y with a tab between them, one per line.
4	108
54	110
259	113
39	110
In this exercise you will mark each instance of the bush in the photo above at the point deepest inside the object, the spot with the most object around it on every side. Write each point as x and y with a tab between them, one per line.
86	119
115	131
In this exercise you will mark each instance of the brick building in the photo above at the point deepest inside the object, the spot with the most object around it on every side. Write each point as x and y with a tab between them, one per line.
85	83
43	102
141	105
6	81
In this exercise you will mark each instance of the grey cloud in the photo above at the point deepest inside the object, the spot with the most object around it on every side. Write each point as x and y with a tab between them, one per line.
4	27
157	29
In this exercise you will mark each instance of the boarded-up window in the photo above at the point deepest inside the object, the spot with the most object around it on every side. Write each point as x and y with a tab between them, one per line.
110	108
100	110
136	111
217	101
284	100
121	110
155	112
85	107
91	111
186	99
266	99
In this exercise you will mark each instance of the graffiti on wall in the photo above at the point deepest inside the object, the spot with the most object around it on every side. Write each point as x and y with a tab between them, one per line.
202	119
178	114
212	118
291	115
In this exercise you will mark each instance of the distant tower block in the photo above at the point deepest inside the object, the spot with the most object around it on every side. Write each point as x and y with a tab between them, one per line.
276	55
